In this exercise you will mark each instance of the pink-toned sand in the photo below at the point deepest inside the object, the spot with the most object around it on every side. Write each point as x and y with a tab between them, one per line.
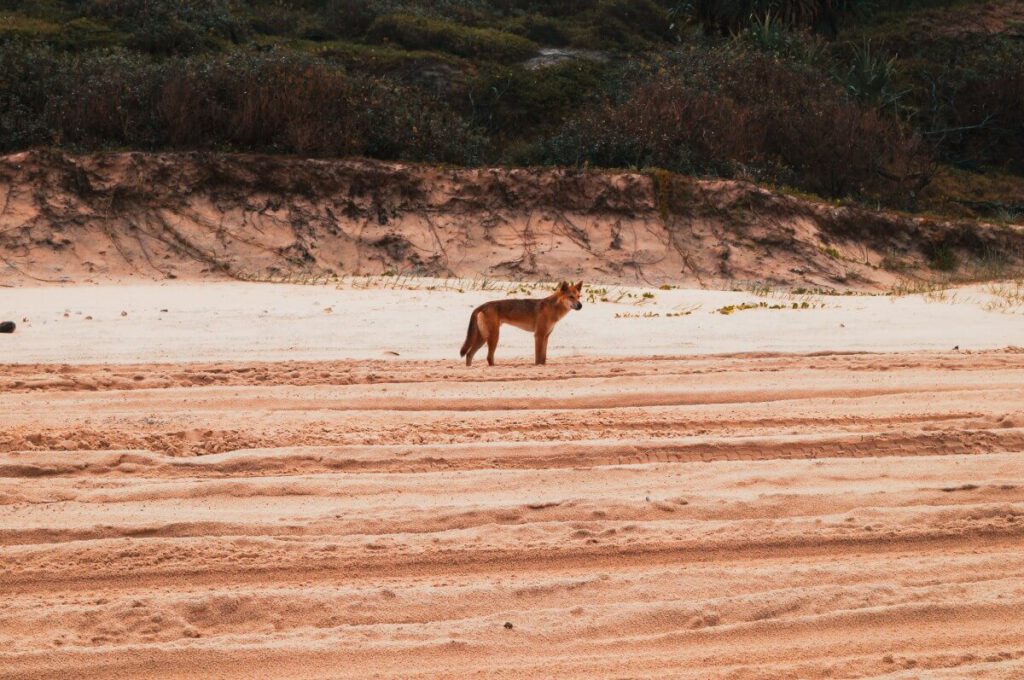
219	491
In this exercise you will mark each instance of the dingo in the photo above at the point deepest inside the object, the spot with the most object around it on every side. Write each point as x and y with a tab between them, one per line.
537	316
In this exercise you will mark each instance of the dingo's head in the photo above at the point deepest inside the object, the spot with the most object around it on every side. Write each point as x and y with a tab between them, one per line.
570	294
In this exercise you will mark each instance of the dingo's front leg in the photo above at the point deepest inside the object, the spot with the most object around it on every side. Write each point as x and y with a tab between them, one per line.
540	342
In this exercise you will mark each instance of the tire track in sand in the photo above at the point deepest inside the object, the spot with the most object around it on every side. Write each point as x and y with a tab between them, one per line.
743	516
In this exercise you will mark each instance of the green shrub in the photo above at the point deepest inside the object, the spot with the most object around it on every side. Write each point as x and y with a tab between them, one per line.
52	11
508	100
631	22
439	80
20	26
970	105
243	101
420	33
171	26
729	16
771	34
83	34
541	30
350	18
871	77
563	8
285	20
384	60
78	34
942	257
27	71
752	116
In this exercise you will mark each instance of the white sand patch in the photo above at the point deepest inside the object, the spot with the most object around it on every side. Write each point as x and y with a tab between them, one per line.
179	321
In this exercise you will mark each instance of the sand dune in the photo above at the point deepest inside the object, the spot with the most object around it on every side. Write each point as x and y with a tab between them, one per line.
745	516
131	216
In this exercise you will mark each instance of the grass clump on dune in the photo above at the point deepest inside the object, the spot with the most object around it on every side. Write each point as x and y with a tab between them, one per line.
422	33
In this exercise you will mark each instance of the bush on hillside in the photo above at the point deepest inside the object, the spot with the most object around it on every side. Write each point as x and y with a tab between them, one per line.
749	116
279	19
507	100
991	107
350	18
27	71
421	33
971	108
730	16
171	26
541	30
624	21
245	101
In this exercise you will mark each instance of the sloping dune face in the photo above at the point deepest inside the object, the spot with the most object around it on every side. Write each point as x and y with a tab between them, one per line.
136	216
788	516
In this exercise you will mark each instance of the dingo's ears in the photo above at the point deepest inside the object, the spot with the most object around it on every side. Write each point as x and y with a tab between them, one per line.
578	286
563	286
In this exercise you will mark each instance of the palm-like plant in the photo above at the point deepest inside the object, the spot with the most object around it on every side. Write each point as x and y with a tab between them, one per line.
727	16
871	77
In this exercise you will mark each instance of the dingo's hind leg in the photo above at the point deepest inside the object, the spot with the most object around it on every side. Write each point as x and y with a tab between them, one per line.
478	342
477	338
492	343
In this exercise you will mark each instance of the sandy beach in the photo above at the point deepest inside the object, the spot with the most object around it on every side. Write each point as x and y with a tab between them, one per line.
422	318
779	431
240	480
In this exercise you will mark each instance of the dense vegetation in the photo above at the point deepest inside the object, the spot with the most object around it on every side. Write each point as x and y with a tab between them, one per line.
906	106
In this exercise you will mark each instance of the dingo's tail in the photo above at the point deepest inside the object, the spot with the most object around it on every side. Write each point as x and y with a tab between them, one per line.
471	334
